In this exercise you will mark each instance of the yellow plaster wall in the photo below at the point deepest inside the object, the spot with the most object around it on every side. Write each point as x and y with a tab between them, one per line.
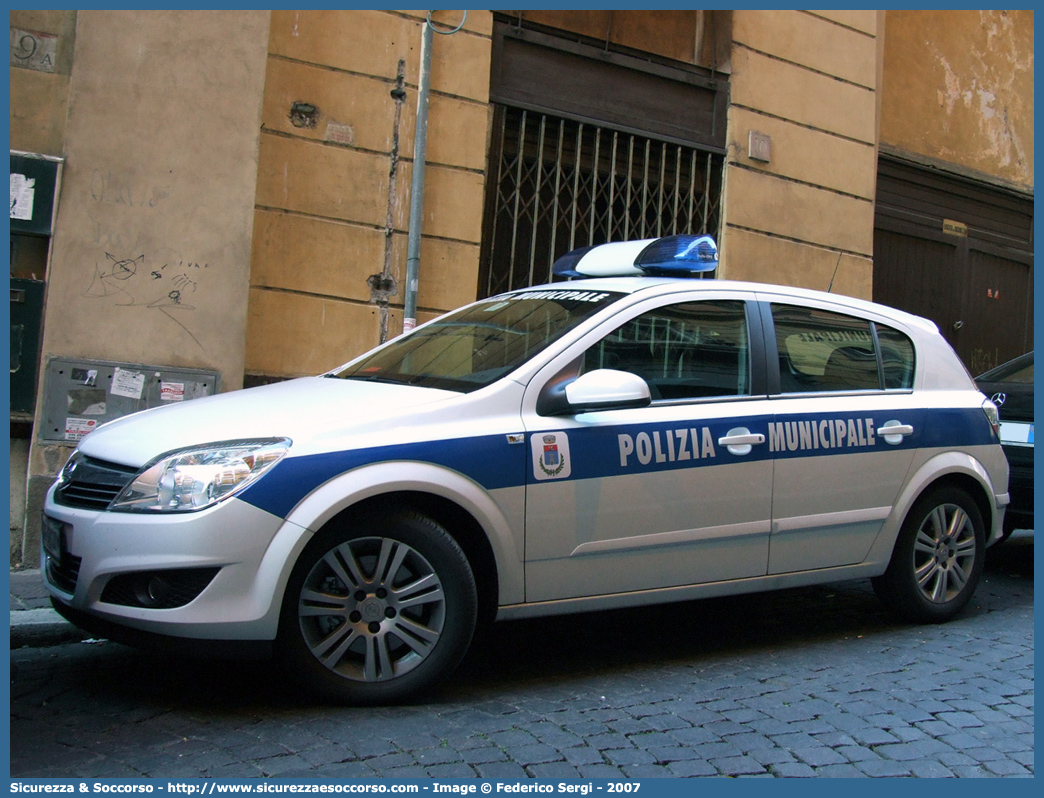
809	81
329	213
315	256
958	87
808	214
316	333
855	19
813	41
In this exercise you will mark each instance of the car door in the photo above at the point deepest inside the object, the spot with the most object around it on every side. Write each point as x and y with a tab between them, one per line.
843	435
674	493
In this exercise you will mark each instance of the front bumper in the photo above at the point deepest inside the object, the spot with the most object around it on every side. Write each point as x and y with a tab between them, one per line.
217	574
99	626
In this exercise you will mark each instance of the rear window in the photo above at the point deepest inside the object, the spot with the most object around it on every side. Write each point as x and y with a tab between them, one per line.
477	345
824	351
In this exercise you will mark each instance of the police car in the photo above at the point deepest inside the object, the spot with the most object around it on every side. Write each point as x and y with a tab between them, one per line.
630	437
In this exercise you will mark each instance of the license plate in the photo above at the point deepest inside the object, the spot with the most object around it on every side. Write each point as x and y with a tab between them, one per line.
53	538
1016	433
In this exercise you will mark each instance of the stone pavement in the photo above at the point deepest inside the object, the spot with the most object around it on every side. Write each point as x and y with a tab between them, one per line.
33	621
27	591
805	682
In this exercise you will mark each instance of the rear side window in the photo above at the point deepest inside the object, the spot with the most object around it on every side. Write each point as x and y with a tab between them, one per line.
824	351
897	357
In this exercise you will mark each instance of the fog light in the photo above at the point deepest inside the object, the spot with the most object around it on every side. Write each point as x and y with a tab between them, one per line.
152	591
158	590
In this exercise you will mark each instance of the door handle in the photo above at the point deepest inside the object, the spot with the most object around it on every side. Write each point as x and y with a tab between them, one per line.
894	431
741	441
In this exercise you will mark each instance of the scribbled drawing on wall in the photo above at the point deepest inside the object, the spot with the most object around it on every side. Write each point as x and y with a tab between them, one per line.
108	279
159	289
983	360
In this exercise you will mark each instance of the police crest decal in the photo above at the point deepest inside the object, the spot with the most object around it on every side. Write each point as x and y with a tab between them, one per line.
551	458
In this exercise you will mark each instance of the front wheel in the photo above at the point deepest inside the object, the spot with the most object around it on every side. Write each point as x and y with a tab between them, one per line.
937	560
378	612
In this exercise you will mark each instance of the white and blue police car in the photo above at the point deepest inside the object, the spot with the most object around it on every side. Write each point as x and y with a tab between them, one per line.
630	437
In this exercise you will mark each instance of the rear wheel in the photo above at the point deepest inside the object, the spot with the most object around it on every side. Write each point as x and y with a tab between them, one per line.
937	560
378	612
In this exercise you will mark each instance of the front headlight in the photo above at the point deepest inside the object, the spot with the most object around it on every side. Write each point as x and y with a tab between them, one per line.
192	479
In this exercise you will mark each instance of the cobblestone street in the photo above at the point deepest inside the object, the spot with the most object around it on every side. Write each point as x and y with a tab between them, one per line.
806	682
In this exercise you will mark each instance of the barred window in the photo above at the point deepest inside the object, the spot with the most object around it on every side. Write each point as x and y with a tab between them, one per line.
559	184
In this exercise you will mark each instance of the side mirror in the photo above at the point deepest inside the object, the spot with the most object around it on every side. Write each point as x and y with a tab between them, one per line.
606	389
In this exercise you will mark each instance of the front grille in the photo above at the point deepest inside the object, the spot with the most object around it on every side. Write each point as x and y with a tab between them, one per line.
92	484
161	590
62	572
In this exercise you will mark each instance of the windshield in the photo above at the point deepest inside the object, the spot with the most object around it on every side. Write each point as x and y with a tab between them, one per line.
477	345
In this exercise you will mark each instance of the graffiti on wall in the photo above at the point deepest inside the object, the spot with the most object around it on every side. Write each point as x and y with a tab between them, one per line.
168	287
983	360
119	190
122	272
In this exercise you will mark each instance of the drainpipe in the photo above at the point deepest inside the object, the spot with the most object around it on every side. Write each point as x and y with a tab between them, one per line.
420	146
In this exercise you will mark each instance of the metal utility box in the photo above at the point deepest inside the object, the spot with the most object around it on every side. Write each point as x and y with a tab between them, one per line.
26	321
80	395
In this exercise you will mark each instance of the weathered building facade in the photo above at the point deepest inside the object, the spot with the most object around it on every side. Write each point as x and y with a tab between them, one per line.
233	188
953	225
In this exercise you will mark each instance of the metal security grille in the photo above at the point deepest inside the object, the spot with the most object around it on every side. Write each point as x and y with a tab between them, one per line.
561	184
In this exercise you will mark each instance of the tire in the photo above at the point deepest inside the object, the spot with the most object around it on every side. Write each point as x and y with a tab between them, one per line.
378	612
937	560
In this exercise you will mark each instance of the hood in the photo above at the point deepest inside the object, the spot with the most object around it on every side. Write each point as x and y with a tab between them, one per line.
303	410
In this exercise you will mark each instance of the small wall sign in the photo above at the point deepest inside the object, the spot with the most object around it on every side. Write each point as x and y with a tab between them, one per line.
31	49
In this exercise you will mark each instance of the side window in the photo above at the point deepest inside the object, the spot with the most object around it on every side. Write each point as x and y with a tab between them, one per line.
897	357
824	351
688	351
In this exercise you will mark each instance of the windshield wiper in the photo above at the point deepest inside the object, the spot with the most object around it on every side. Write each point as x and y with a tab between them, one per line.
371	378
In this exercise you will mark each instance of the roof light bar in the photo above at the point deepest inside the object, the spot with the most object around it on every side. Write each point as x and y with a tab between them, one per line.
672	256
603	260
679	255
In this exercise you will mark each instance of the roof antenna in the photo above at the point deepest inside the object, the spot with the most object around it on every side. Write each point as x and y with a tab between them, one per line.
831	286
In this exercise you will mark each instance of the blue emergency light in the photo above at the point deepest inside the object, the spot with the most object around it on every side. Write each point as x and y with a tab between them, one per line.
672	256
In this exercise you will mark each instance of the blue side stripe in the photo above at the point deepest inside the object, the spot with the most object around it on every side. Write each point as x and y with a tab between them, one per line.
596	451
489	460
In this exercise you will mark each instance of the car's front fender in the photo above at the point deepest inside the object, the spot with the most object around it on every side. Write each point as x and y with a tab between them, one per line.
499	512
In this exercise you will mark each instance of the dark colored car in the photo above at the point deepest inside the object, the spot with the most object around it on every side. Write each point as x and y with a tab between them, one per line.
1010	386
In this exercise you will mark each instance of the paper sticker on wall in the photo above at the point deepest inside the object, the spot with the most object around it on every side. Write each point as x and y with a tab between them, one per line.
127	383
86	376
23	190
76	428
87	402
172	391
